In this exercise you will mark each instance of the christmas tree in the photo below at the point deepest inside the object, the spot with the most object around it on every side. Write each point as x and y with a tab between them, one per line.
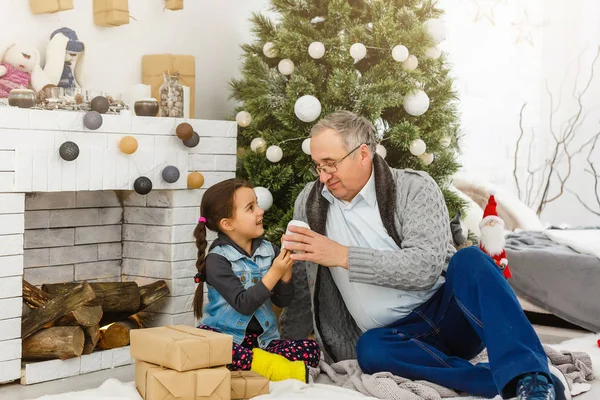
377	58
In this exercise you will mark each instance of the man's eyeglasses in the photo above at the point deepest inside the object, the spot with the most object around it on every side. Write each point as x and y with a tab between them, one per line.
332	168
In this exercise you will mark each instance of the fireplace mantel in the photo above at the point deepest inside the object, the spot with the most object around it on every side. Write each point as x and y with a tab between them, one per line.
43	198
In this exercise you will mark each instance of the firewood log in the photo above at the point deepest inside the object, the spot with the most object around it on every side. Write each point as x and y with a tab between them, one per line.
57	307
57	342
116	334
112	296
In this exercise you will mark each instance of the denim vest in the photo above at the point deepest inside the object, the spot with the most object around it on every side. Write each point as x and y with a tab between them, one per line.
219	314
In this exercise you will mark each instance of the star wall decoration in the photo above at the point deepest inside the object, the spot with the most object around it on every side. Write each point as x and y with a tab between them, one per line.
485	11
525	29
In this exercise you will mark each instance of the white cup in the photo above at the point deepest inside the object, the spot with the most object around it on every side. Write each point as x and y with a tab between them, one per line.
294	223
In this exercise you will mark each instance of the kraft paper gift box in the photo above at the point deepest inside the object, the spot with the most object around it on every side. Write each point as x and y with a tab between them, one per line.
247	384
181	347
111	12
155	65
157	383
174	5
50	6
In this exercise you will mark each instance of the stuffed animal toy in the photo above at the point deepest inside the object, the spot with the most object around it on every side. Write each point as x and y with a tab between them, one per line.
64	58
20	67
492	236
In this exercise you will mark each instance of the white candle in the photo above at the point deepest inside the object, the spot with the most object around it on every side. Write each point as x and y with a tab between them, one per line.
140	91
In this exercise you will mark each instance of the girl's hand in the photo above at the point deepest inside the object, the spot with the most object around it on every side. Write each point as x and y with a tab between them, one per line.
283	263
280	269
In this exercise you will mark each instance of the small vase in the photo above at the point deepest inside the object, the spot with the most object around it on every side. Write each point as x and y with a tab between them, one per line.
146	108
171	96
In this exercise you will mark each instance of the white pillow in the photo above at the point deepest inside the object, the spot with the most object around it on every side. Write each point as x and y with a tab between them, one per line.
516	214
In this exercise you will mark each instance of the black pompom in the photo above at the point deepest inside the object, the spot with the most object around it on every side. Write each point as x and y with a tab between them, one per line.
68	151
142	185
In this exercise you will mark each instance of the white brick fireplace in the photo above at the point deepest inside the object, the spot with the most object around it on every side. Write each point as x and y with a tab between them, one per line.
81	220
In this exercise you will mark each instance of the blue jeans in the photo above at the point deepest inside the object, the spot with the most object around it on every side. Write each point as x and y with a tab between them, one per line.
474	309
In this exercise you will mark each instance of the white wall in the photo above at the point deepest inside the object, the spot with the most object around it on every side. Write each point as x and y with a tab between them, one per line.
210	30
497	69
571	40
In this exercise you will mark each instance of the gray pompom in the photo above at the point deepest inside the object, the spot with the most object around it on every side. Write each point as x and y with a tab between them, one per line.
193	141
92	120
170	174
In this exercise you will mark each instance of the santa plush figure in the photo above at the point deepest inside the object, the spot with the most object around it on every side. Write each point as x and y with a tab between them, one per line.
492	236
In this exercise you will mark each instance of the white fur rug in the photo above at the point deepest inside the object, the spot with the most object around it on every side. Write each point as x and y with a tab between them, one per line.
113	389
584	241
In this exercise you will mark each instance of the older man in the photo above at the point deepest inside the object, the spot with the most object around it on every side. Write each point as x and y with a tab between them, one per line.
377	279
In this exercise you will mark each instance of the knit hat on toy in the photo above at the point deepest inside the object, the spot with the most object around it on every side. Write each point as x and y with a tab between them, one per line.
74	45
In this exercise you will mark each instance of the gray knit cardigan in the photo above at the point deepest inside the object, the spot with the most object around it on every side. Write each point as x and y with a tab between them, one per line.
415	216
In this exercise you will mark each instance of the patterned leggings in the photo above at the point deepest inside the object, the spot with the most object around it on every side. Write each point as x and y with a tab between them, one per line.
294	350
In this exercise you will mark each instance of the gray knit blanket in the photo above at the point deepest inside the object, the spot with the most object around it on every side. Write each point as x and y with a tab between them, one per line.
576	366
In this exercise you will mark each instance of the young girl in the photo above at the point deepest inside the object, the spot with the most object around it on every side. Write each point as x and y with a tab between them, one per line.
245	275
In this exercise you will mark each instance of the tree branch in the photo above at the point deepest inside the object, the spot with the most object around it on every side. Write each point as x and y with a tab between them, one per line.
515	168
552	176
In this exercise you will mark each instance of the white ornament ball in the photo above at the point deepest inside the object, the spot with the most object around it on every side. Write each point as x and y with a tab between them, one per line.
416	103
411	63
381	151
306	146
316	50
400	53
417	147
286	66
307	108
445	141
274	154
243	118
264	198
433	52
258	144
269	50
436	29
426	158
358	51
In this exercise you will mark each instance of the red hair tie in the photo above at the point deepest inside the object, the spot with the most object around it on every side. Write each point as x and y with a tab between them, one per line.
202	219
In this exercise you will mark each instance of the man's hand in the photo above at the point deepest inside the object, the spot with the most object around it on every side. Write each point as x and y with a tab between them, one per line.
317	248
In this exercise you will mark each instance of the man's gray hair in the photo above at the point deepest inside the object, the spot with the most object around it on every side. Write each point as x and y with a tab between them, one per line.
354	129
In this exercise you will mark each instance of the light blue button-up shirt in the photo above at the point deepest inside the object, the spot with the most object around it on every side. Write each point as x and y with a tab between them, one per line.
358	224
